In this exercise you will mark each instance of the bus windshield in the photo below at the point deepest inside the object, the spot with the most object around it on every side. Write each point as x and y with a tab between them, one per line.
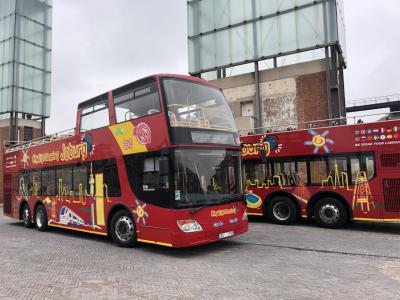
194	105
206	176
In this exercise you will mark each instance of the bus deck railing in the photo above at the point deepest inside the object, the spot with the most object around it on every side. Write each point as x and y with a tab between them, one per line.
341	121
11	146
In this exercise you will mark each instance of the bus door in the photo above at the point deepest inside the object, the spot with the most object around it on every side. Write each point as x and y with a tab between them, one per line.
389	174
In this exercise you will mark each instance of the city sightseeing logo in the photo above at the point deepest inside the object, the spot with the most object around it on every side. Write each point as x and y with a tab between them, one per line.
319	141
143	133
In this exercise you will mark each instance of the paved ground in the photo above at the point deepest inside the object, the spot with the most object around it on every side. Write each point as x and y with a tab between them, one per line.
288	262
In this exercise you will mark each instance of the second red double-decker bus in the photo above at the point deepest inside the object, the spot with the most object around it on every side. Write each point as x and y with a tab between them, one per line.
332	174
155	161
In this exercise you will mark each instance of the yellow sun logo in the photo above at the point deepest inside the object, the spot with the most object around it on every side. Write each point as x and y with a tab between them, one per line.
139	213
319	141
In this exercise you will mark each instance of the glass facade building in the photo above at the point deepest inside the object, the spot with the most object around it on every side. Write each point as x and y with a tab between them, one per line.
25	56
224	33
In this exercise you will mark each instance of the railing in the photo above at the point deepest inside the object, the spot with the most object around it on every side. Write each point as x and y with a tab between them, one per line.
11	146
342	121
373	100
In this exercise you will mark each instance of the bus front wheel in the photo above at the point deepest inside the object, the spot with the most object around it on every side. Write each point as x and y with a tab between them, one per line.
26	216
330	213
41	221
123	229
282	210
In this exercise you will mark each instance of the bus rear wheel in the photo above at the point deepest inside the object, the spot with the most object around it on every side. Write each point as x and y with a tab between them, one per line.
26	216
41	221
330	213
282	210
123	229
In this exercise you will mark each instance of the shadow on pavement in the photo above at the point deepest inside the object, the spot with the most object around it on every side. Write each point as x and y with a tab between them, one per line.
217	246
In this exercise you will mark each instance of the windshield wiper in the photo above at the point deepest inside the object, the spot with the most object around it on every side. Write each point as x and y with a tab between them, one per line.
195	210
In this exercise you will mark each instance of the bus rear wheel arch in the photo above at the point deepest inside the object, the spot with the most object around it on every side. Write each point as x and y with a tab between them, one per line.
282	210
330	212
123	229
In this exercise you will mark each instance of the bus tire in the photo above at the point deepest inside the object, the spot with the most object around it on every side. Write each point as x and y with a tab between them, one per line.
26	216
41	221
330	213
123	229
281	210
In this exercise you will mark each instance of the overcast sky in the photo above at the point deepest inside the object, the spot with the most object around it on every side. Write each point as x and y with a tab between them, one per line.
99	45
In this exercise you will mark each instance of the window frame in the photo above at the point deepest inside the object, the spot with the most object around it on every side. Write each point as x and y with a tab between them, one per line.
92	106
133	91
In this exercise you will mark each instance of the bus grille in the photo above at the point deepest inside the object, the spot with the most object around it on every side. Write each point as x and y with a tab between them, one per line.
391	194
7	189
391	160
7	203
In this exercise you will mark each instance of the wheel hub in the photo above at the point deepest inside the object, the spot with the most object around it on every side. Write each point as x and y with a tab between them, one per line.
281	211
39	219
26	215
124	228
329	213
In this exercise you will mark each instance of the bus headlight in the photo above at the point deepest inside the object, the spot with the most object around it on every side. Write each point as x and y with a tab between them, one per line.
189	225
245	218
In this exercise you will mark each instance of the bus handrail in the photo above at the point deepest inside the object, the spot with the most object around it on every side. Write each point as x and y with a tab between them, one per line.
340	121
11	146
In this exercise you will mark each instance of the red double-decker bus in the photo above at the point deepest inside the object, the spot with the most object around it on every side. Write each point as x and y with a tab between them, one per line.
332	174
156	161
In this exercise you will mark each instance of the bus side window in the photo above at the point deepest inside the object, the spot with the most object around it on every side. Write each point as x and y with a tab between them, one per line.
64	180
355	168
23	184
95	116
48	182
151	175
370	166
301	171
339	165
111	178
142	101
16	183
35	183
318	169
80	177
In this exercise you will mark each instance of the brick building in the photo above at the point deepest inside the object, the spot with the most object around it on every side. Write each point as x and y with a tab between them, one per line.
289	94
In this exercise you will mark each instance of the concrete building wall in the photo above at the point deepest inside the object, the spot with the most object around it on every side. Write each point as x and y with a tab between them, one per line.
289	94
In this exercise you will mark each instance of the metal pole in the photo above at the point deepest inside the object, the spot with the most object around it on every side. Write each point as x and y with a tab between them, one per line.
342	95
258	104
328	82
13	115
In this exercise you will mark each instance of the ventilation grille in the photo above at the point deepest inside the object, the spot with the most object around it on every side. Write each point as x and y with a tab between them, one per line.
391	194
391	160
7	194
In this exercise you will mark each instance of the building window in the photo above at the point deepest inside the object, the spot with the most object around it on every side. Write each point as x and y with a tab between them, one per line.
247	109
28	133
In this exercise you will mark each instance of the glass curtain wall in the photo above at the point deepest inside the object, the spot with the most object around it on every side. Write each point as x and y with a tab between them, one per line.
229	32
25	56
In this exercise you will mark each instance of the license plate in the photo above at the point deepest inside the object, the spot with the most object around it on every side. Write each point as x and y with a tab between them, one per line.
225	234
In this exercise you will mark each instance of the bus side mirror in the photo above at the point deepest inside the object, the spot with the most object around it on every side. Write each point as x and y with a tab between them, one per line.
164	166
